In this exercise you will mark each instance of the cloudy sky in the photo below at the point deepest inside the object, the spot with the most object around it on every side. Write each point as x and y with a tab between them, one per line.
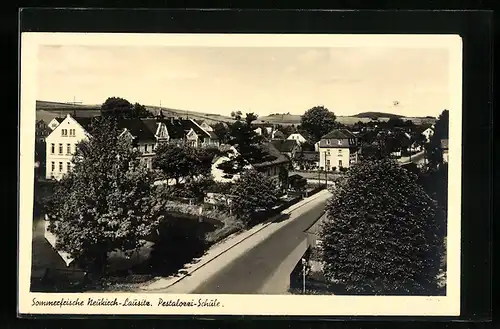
260	80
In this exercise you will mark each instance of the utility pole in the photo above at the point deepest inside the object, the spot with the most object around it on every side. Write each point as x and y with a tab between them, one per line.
303	275
326	173
74	102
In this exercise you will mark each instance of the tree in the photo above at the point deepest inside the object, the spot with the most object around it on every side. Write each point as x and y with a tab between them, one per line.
248	144
381	236
106	202
318	121
433	148
139	111
251	193
177	161
222	132
236	115
116	107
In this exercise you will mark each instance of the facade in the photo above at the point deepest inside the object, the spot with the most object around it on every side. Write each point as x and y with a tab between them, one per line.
145	134
288	147
428	134
338	149
306	160
297	137
444	147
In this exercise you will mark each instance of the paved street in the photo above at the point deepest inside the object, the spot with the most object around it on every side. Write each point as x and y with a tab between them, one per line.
248	273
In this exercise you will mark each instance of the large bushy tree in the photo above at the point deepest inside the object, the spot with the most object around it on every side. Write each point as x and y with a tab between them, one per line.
253	192
318	121
177	161
107	202
382	235
118	107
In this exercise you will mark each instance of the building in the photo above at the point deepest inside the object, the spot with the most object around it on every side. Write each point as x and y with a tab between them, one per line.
306	160
288	147
444	147
297	137
145	134
55	122
338	149
428	134
276	168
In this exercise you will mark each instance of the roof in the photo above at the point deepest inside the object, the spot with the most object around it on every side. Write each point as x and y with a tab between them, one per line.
59	119
339	134
142	129
85	122
178	128
284	145
444	144
307	155
274	152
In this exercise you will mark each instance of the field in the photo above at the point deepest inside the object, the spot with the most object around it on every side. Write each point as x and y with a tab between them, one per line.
46	111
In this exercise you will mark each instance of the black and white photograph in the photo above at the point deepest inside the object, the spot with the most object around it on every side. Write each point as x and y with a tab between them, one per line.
240	174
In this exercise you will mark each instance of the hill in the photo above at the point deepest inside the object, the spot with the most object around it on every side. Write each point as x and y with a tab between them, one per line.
378	115
46	110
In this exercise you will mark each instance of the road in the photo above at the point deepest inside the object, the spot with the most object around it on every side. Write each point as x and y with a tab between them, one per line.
248	273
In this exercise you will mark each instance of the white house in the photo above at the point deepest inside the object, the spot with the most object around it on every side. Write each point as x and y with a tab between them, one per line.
258	131
61	145
297	137
428	134
338	149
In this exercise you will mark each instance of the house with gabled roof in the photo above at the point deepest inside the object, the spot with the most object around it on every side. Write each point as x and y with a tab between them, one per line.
145	134
288	147
338	149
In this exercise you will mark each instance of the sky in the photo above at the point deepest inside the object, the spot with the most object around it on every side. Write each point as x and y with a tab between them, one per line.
267	80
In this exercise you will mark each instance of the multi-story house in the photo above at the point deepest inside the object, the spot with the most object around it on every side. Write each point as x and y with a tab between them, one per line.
338	149
145	134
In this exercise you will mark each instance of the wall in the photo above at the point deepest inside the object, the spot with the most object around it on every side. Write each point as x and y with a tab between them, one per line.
56	138
334	155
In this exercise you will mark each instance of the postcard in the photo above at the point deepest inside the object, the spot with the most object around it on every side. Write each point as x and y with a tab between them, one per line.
240	174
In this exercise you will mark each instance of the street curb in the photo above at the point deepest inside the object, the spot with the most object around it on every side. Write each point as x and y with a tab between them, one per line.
237	243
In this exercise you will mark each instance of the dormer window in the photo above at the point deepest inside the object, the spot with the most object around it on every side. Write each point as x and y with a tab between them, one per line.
339	142
327	142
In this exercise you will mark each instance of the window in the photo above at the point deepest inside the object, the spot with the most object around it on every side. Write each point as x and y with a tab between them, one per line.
60	166
328	163
340	151
60	149
340	163
53	166
339	142
64	132
52	148
68	165
72	132
328	152
327	142
146	148
68	148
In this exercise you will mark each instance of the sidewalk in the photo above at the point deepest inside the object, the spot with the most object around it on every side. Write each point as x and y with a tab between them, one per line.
279	283
218	256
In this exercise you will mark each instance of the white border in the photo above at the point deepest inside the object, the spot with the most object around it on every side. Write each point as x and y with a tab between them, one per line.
244	304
